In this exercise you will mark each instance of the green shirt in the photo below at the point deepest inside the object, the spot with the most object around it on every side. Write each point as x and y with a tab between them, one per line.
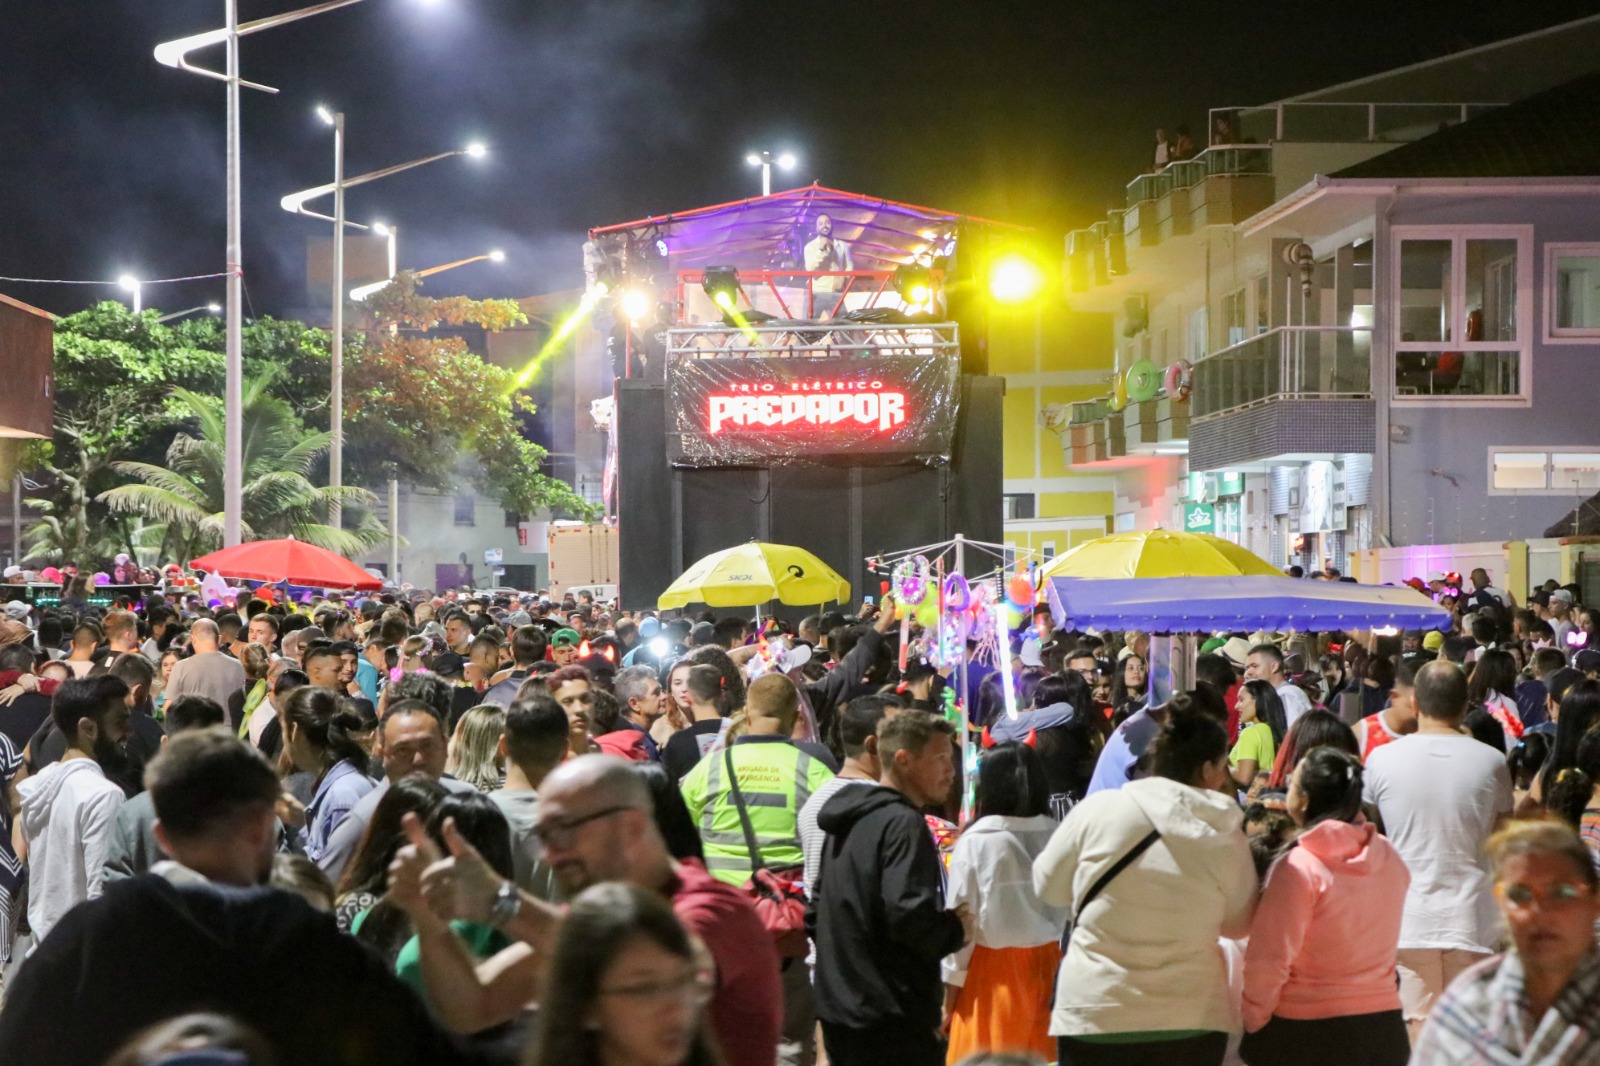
1255	742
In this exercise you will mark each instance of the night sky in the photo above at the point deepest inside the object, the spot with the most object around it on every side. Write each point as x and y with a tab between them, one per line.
601	112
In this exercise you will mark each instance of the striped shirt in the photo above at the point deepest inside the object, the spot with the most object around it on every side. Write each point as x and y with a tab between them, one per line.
1485	1017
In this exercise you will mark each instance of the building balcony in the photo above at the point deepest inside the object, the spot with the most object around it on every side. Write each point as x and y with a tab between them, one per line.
1288	394
1098	435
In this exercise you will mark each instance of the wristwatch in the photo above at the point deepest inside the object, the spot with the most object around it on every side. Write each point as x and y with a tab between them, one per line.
507	901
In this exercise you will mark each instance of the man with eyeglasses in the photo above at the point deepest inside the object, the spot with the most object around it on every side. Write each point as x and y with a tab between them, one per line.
595	823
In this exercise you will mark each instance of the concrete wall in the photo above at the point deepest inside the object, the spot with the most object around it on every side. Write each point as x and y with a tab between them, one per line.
1439	458
432	537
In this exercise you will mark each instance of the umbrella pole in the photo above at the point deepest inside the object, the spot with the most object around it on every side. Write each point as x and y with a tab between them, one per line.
968	779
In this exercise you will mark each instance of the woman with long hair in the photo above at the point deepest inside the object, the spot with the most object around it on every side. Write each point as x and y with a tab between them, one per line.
257	663
1144	979
1059	725
1128	687
1536	1002
364	880
1580	712
158	696
1261	730
679	714
1319	972
1492	686
626	987
321	741
1575	793
997	988
475	756
709	708
1313	729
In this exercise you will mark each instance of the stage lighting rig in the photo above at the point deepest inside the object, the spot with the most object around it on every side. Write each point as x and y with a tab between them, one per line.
721	283
914	283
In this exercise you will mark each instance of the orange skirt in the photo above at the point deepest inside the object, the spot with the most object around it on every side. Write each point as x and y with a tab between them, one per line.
1005	1004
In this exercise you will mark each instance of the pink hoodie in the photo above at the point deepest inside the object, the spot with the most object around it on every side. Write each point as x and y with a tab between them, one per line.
1323	940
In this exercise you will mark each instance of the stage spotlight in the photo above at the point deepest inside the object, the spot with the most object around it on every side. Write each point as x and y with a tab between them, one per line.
914	283
636	304
722	285
1014	279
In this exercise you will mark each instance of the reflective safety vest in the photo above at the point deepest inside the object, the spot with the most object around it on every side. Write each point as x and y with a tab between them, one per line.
775	778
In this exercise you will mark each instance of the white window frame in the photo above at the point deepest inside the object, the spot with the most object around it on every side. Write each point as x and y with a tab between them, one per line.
1549	451
1458	236
1553	335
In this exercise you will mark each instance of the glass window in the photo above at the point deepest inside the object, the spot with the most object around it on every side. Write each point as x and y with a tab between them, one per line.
1519	470
1199	343
1263	304
466	510
1424	291
1233	317
1577	471
1491	296
1577	291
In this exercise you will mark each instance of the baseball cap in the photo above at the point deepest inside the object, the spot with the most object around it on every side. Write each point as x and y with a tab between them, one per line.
565	638
16	610
448	664
649	627
519	618
1437	575
1564	595
12	571
1433	641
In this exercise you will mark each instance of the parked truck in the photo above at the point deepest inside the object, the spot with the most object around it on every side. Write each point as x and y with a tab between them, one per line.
583	557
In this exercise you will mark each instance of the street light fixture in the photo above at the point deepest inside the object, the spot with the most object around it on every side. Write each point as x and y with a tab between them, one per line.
765	161
209	308
131	284
361	292
296	204
176	54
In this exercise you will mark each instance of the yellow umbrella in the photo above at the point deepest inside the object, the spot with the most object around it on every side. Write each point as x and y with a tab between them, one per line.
1158	553
754	573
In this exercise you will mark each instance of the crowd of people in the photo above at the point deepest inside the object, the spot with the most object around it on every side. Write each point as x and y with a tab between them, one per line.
411	828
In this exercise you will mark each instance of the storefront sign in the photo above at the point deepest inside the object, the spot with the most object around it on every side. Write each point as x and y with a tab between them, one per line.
771	410
1199	518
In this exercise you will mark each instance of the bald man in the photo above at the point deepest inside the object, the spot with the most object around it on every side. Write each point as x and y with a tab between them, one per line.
1440	793
596	823
208	672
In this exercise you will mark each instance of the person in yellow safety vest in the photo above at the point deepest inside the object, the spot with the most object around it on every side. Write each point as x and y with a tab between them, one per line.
776	776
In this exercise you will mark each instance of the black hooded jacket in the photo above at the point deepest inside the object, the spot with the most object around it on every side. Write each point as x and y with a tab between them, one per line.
147	951
877	913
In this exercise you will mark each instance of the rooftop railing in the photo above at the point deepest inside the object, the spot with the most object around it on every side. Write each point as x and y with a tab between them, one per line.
1222	160
1291	121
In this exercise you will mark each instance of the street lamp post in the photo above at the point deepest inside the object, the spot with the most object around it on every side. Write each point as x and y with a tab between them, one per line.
765	160
176	54
361	292
133	285
336	351
296	204
211	308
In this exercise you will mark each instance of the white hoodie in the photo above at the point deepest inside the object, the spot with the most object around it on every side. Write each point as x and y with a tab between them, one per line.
1144	956
68	812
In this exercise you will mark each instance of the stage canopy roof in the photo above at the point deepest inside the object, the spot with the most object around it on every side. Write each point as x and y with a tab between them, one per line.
761	231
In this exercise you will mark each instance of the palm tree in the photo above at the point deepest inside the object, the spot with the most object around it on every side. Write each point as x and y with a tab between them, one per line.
185	498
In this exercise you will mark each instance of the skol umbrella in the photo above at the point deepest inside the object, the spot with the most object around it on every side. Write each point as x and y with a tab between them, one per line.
755	573
1158	553
289	560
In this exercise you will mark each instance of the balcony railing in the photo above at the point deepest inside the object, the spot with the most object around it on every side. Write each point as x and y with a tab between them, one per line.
1222	160
1290	362
1336	122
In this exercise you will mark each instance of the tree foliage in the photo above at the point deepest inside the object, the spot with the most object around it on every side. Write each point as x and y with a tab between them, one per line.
184	498
420	406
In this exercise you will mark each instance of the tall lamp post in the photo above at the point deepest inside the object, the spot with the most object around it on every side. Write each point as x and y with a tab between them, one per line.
361	292
176	54
132	284
295	203
765	160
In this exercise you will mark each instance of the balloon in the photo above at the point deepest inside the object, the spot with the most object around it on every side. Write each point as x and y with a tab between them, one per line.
927	612
1019	592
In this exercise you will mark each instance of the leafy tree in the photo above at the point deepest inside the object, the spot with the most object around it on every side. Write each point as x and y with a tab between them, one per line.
114	372
415	401
185	497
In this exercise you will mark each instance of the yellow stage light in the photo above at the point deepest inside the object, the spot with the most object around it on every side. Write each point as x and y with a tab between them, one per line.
636	304
1014	279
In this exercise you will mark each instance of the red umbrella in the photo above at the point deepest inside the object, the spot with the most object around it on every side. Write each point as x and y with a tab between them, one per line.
289	560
